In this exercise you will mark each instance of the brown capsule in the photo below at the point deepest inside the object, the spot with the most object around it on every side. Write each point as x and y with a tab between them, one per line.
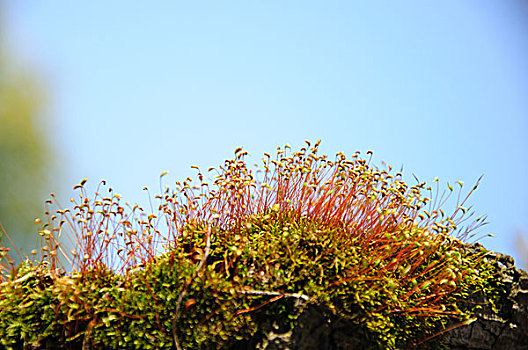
190	303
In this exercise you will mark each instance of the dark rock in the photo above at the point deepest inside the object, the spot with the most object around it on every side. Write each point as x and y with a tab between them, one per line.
508	327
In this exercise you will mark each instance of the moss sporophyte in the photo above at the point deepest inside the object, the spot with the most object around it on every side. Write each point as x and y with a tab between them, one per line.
215	258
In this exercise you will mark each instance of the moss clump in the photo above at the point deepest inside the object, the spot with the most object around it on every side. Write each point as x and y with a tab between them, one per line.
338	234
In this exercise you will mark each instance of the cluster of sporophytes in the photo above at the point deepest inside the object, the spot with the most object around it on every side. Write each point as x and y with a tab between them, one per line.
214	259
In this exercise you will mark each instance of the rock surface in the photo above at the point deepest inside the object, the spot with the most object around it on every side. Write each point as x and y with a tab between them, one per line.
506	329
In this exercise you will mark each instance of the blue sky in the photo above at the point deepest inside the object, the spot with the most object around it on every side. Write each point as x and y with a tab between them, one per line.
136	89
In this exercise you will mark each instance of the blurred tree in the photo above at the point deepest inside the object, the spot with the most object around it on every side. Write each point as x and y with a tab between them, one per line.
25	155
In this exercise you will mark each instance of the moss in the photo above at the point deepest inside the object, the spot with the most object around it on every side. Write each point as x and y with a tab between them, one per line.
240	259
101	309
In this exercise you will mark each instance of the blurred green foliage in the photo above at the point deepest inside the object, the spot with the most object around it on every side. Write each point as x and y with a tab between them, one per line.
25	152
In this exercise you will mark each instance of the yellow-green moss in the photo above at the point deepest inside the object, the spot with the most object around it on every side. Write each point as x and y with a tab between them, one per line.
269	253
339	234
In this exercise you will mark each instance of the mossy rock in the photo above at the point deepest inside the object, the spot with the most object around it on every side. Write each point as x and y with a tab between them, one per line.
270	276
249	264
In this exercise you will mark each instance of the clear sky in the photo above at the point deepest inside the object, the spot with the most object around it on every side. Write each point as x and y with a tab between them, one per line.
138	88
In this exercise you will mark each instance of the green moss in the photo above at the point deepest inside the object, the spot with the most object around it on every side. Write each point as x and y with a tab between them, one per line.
101	309
352	240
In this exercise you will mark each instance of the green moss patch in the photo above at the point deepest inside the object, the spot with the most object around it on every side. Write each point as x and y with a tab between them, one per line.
335	234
